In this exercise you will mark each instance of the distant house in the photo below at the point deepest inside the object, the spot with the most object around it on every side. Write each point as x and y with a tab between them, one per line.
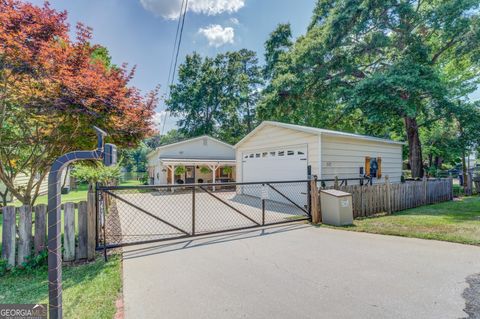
277	151
202	159
22	180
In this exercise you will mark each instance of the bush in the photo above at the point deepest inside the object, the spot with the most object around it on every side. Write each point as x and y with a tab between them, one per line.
98	173
32	263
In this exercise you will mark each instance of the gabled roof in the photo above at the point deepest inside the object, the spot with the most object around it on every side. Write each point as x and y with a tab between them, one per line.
316	131
187	141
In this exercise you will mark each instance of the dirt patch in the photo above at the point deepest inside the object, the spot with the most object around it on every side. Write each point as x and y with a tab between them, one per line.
472	297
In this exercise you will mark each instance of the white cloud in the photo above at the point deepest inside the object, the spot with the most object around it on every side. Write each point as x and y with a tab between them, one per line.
217	35
234	21
170	9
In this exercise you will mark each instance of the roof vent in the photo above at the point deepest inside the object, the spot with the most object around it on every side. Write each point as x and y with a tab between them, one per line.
205	141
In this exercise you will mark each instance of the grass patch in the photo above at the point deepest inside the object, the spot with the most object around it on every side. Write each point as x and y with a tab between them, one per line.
456	221
75	196
89	291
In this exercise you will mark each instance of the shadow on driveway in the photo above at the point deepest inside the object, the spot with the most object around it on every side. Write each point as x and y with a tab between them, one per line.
155	249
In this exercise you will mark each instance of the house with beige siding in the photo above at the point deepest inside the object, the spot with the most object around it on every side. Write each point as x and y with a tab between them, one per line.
202	159
276	151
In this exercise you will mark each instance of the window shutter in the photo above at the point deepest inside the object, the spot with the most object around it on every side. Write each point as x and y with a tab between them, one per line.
379	171
367	166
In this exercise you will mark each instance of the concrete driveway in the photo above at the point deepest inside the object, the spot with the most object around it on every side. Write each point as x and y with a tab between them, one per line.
299	271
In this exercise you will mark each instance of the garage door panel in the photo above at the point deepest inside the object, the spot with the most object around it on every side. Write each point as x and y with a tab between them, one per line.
279	164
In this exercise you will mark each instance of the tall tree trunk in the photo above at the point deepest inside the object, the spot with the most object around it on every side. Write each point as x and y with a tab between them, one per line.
438	162
414	147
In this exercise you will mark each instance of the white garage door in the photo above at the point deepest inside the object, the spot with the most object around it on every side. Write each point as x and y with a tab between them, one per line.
278	164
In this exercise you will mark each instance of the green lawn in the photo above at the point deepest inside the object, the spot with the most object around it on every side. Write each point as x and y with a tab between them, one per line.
89	291
77	195
456	221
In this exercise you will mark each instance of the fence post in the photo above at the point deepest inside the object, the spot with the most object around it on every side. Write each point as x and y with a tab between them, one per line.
315	201
82	230
388	201
9	234
263	204
425	185
469	190
91	225
450	179
24	233
69	232
39	241
193	210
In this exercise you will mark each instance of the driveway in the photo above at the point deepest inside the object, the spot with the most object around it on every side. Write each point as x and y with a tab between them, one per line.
299	271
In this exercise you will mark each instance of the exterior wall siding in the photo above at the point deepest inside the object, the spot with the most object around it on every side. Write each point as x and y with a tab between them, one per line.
22	180
343	156
201	148
278	137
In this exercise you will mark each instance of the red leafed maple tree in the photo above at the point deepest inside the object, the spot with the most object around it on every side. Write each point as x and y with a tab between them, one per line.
52	90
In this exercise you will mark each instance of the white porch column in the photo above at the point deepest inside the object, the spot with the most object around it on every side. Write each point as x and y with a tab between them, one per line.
214	174
172	174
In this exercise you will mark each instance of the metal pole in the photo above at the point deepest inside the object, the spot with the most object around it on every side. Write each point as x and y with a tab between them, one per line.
96	215
263	212
193	210
309	199
54	222
104	233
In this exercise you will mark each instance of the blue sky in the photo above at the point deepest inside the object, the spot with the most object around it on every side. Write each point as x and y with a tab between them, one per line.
142	32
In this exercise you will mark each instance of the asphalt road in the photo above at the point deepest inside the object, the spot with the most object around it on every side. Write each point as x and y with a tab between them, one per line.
298	271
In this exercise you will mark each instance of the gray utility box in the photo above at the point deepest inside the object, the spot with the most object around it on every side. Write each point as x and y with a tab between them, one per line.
336	207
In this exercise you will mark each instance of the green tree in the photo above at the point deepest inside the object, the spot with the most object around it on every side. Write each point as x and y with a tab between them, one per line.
170	137
135	159
279	41
96	172
216	96
375	65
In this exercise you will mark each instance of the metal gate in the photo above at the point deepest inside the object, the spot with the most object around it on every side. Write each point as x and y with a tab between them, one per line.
128	215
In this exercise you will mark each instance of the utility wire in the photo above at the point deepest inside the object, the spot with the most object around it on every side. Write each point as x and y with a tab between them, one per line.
175	43
178	35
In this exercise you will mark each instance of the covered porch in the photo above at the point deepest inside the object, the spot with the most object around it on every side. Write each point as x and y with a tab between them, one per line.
190	171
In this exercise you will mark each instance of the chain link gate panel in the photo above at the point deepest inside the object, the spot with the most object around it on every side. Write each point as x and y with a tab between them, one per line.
130	215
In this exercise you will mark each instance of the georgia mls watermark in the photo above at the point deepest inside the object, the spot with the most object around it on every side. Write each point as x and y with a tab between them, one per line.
23	311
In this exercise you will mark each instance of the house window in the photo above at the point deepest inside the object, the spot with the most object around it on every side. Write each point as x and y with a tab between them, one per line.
300	153
264	154
257	155
281	153
246	156
251	155
373	167
290	153
272	154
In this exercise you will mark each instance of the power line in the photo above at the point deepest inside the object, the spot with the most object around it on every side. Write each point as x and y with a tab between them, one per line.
177	43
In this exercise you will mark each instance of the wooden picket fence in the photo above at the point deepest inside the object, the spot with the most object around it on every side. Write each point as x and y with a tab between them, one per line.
25	231
389	197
